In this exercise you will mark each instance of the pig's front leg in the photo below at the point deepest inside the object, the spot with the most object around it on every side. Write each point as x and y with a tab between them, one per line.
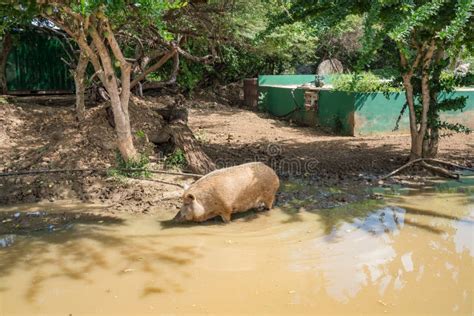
226	218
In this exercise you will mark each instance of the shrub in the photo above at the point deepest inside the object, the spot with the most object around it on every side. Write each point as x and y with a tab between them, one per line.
125	168
363	82
176	160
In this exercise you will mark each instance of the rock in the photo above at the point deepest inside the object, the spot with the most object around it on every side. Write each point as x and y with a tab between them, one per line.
330	66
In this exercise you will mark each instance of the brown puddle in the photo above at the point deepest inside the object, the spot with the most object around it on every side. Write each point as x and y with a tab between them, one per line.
413	257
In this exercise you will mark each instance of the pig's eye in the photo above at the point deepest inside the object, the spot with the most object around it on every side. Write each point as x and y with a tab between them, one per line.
191	197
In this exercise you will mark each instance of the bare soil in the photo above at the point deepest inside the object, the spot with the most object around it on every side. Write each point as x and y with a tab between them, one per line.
237	135
34	136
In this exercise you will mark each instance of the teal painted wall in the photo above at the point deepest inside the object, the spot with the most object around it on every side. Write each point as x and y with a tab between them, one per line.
336	111
285	80
377	112
466	117
347	113
335	108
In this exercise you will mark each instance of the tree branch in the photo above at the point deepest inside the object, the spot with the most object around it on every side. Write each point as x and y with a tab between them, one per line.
156	66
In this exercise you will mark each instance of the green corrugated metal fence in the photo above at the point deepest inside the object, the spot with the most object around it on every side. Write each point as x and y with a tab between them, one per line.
35	63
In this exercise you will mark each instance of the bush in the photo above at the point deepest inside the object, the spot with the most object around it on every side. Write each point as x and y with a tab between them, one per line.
176	160
363	82
449	79
120	171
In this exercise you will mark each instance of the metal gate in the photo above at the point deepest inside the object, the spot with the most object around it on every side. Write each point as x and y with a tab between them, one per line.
34	64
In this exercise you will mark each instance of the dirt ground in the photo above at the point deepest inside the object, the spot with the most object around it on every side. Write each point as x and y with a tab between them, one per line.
241	134
34	136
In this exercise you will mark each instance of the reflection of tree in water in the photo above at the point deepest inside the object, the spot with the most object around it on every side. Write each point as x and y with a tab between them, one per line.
331	218
391	248
75	253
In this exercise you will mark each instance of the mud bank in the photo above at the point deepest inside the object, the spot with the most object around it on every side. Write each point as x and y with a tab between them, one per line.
47	137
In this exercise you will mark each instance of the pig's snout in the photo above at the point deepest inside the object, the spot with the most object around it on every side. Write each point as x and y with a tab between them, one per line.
179	217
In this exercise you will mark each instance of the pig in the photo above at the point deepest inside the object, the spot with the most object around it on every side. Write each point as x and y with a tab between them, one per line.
229	190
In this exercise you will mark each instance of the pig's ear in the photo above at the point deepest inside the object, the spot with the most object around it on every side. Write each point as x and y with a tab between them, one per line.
186	186
191	196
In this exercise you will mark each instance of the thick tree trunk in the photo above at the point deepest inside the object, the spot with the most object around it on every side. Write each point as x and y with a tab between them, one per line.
6	47
416	150
418	131
430	143
79	78
183	138
423	135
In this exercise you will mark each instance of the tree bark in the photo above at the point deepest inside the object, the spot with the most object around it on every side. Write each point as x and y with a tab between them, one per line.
79	78
416	150
425	94
418	131
183	138
99	55
416	147
430	142
118	99
6	47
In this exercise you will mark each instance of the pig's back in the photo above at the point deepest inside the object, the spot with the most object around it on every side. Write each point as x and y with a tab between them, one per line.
238	186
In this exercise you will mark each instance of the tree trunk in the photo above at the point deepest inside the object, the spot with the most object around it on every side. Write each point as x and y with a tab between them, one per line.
418	133
416	150
99	54
119	97
79	77
430	143
425	95
183	138
6	47
196	158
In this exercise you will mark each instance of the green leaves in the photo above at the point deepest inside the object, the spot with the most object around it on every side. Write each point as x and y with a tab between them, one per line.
454	29
417	17
363	82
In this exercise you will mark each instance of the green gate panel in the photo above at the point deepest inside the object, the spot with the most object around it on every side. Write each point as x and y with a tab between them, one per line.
34	63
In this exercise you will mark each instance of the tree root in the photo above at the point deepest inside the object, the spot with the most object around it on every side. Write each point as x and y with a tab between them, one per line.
447	163
439	171
394	172
436	170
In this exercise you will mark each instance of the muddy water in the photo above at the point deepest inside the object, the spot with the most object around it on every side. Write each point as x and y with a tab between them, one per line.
410	255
